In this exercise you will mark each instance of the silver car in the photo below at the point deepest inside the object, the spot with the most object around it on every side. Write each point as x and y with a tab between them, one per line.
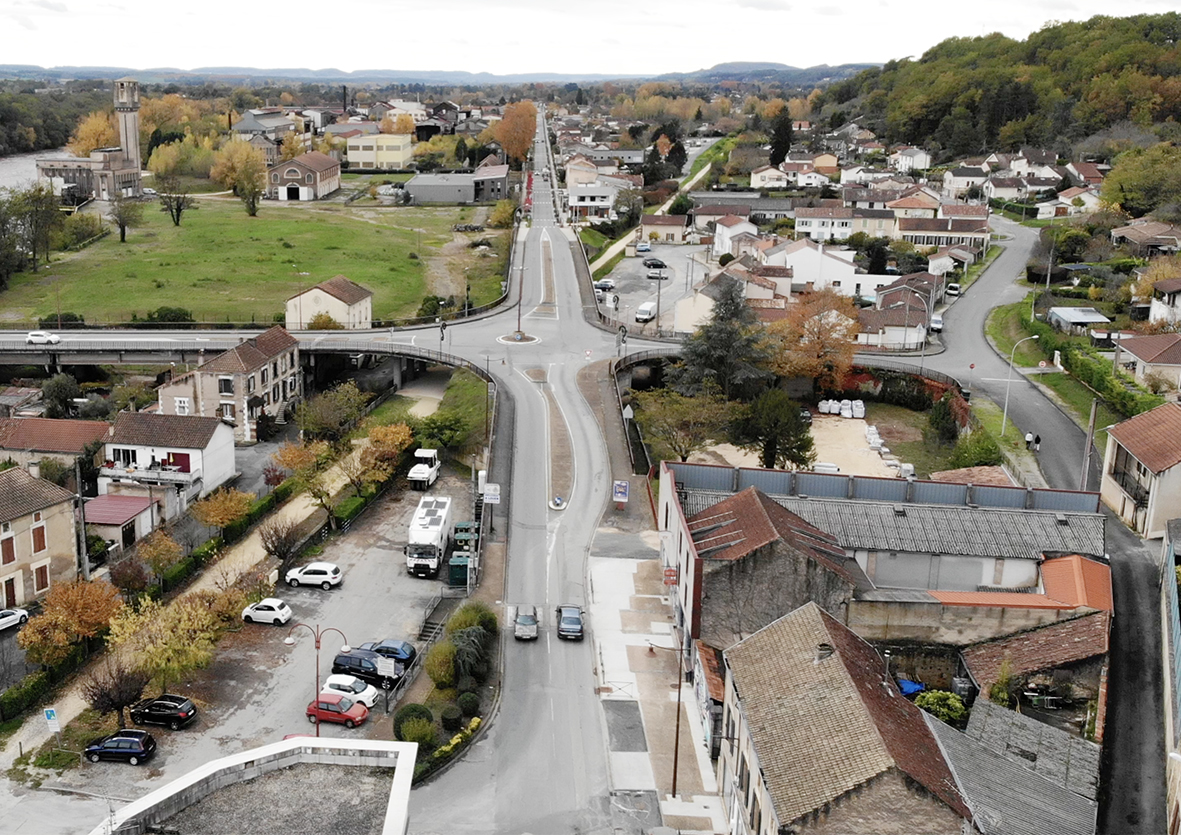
525	625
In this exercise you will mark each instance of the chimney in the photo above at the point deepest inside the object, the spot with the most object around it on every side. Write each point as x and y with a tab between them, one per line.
34	469
823	651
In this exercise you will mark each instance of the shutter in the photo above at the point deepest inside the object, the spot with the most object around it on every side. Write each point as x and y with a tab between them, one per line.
9	552
38	539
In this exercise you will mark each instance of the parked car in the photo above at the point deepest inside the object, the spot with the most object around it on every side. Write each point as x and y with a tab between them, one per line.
269	610
937	323
643	246
403	651
41	338
646	312
322	574
570	622
953	289
362	664
598	295
605	284
130	746
659	275
13	617
525	624
338	708
148	192
173	712
654	263
805	415
353	687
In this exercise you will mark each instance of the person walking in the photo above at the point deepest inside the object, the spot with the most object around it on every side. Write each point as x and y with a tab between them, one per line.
1029	440
1037	442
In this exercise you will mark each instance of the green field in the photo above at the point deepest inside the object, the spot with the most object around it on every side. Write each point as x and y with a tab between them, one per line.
226	266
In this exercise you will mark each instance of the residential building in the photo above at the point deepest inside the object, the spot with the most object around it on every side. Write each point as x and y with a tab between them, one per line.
949	259
591	202
382	151
273	125
259	376
580	171
1085	173
665	229
490	180
172	460
726	232
818	267
905	160
1075	320
309	176
822	224
38	541
1165	305
898	326
768	177
707	214
348	303
1155	357
1142	469
122	520
28	440
914	203
877	223
1146	238
941	232
957	181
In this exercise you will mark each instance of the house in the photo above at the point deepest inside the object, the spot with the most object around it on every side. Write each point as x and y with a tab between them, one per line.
580	171
260	376
950	258
1085	173
821	224
666	229
491	180
172	460
727	230
1141	472
309	176
38	541
1166	301
1073	201
914	203
820	739
941	232
382	151
1075	320
900	326
964	211
28	440
957	181
876	223
442	188
705	215
1005	188
816	266
905	160
591	202
270	125
20	401
122	520
1156	356
768	177
347	302
1146	238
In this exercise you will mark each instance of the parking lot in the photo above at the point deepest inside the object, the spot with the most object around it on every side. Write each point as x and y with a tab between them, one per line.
634	288
257	688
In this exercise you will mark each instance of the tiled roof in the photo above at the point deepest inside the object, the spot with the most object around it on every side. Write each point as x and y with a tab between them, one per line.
823	212
173	431
21	494
346	290
731	220
1158	349
942	224
1078	580
1168	285
1044	648
48	435
914	201
253	353
962	210
713	665
723	210
114	509
1088	170
874	320
768	271
975	475
1153	438
316	161
998	599
1148	232
1005	796
809	684
664	220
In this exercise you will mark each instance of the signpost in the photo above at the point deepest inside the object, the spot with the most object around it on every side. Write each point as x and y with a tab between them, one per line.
670	576
55	725
491	493
619	493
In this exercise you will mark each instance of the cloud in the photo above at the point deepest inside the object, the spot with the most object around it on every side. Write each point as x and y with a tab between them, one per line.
829	11
50	6
766	5
24	22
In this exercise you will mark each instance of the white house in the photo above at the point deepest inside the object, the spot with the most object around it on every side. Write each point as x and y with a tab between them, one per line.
1158	355
1166	301
768	177
347	302
905	160
1142	469
957	181
824	224
726	230
815	266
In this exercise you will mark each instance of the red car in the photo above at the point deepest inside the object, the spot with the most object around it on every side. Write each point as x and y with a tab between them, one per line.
337	708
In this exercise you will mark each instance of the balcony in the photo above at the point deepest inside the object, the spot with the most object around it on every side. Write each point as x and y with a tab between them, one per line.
157	473
1130	484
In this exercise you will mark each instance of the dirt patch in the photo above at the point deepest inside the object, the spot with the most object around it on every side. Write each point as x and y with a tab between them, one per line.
899	433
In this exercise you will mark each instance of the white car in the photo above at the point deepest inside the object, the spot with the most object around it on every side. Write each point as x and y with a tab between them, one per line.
12	617
149	192
42	338
268	610
352	687
322	574
937	323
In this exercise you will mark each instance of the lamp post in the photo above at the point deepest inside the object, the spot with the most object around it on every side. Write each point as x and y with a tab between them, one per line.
1009	382
318	633
680	651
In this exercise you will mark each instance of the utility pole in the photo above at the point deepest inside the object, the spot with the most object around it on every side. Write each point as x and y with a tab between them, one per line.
80	527
1082	478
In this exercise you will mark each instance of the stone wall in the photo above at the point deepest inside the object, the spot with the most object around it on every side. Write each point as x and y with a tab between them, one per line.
932	622
891	804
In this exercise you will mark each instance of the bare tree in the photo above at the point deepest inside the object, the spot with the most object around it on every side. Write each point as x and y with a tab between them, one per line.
115	687
280	538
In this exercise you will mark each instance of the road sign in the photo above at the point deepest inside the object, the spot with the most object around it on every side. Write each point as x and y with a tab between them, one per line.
491	493
619	490
390	668
55	725
1041	364
670	576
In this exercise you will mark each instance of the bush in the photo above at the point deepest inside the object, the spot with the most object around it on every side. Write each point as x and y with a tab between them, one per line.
205	552
285	490
349	508
944	706
725	259
977	449
942	421
469	704
451	717
414	710
176	574
22	696
440	664
466	685
421	731
473	613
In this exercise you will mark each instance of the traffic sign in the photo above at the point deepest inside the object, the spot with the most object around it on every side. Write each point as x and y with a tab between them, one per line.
619	491
491	493
389	668
1041	364
670	576
55	725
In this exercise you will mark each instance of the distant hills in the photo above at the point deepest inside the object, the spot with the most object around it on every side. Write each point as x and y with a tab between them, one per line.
738	71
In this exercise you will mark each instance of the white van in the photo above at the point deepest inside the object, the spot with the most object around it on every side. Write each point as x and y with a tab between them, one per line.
937	323
646	312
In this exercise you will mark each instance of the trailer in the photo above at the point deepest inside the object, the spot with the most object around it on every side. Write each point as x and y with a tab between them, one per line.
429	539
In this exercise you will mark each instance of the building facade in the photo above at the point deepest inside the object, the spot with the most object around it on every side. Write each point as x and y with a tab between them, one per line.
38	542
309	176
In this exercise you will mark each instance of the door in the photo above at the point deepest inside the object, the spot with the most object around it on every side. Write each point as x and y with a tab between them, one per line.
293	192
179	459
10	592
129	534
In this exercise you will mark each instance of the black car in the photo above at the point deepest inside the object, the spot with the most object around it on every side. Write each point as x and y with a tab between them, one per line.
654	263
805	415
171	711
403	651
570	622
129	746
362	663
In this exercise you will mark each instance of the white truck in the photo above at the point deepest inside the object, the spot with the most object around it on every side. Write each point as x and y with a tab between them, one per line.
425	471
429	539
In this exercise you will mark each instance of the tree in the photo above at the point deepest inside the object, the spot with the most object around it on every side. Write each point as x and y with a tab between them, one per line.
942	420
387	125
404	124
12	254
387	443
663	145
45	640
771	426
330	413
290	148
159	551
302	458
70	613
445	429
37	215
677	425
682	204
131	397
817	339
166	641
1144	179
943	705
131	577
222	508
323	321
502	214
460	152
95	130
516	128
781	137
125	212
241	167
173	193
726	352
361	472
280	538
59	392
115	687
676	158
56	471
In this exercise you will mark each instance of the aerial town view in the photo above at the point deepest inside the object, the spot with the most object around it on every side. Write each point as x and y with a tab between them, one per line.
592	428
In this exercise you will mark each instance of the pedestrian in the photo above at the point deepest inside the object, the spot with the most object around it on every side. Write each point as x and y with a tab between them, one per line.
1028	440
1037	442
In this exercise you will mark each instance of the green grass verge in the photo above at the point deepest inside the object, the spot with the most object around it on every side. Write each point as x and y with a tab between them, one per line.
1012	444
593	237
394	410
1077	398
1005	329
927	456
605	270
467	397
717	152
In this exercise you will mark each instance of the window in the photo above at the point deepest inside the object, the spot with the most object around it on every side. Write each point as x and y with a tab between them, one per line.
275	393
227	410
225	385
275	177
7	550
291	173
250	384
124	457
263	376
307	178
182	405
38	539
275	370
41	578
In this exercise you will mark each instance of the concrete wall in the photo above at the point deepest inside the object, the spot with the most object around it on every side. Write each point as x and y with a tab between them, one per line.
887	805
938	624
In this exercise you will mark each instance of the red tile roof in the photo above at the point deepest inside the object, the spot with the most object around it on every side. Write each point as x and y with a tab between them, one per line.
48	435
344	289
711	663
21	494
1044	648
1078	580
998	599
1158	349
1153	438
664	220
731	220
253	353
112	509
995	476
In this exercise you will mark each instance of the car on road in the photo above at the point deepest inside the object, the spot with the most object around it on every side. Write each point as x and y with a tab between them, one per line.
363	664
148	192
570	624
643	246
937	323
41	338
353	687
338	708
654	263
12	617
322	574
605	284
599	297
646	312
130	746
659	275
403	651
525	624
173	712
953	289
269	610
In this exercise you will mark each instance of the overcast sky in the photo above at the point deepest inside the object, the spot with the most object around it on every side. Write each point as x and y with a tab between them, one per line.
511	36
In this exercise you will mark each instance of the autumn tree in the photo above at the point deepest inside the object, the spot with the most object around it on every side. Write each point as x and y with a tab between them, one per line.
725	352
125	212
159	551
302	458
516	128
386	125
677	425
173	192
131	577
772	428
323	321
114	687
362	472
70	613
663	146
404	124
95	130
169	641
386	444
222	508
328	414
817	339
241	167
1161	268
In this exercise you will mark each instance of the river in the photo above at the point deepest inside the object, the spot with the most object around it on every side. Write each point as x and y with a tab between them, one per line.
20	170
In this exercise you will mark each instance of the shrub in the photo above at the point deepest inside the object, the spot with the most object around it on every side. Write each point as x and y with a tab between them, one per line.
451	717
285	490
944	706
942	420
349	508
976	449
205	552
421	731
175	574
468	684
725	259
414	710
440	664
20	697
473	613
469	704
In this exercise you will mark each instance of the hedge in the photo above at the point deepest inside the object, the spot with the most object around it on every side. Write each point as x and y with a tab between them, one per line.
174	575
20	697
349	508
205	552
285	490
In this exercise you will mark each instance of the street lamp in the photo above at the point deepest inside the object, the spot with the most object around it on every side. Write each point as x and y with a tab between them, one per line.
680	651
1009	382
318	633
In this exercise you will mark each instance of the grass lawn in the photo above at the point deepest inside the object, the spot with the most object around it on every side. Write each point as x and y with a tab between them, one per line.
717	152
1077	398
1005	329
605	270
76	735
593	237
1012	445
225	266
894	422
394	410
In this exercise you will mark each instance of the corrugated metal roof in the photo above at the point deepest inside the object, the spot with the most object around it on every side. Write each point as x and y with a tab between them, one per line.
113	509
